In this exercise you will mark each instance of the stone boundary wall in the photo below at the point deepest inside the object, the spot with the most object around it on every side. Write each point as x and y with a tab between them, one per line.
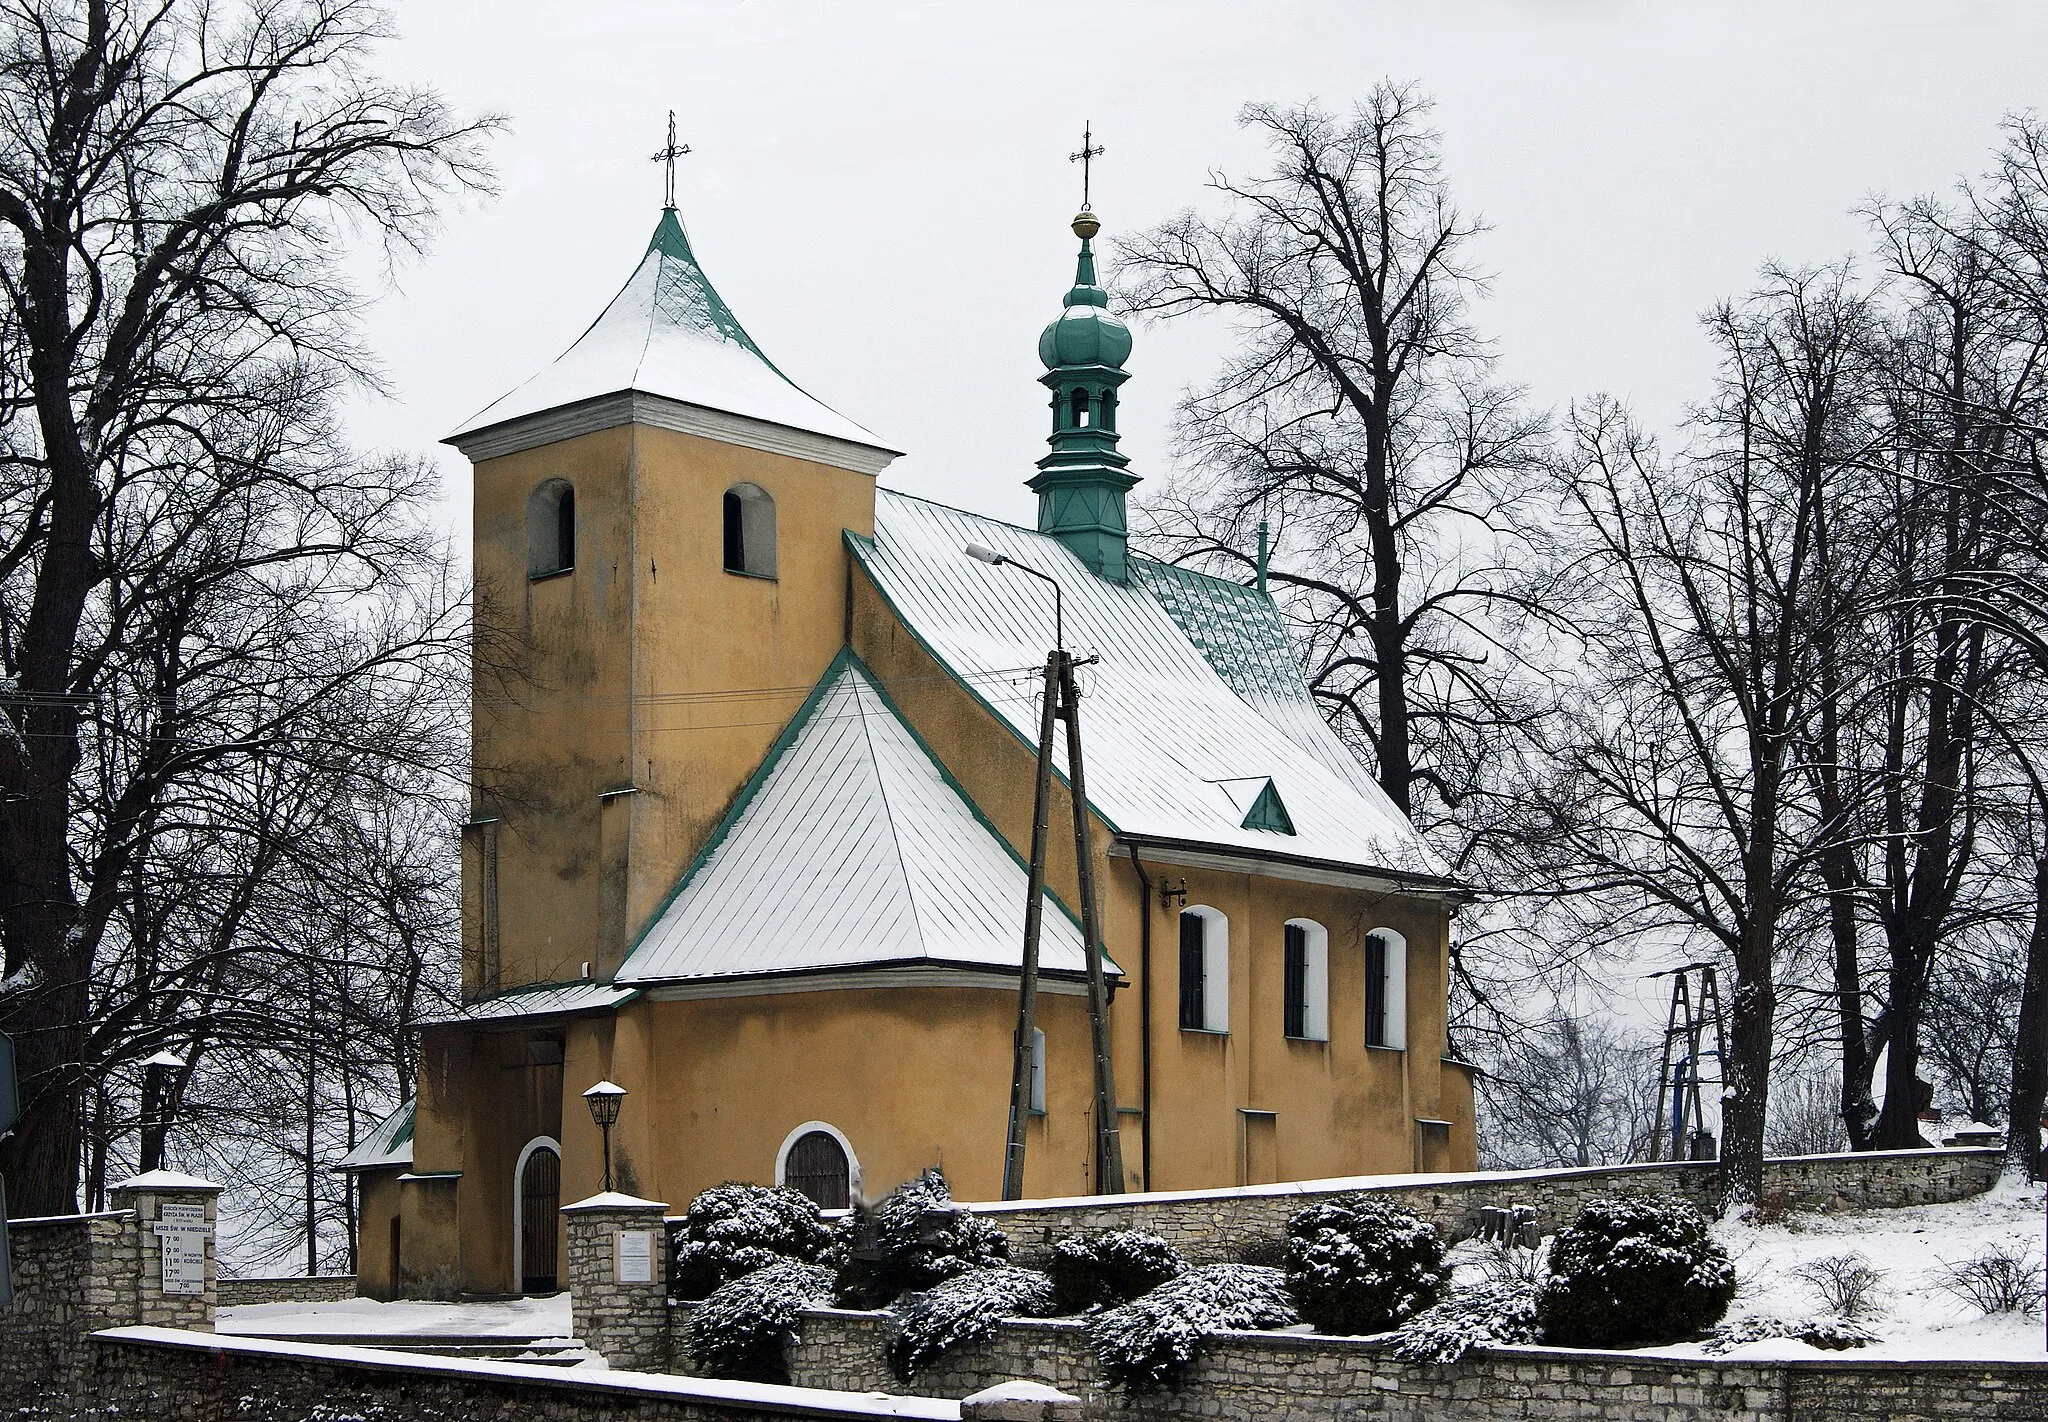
75	1274
1215	1225
1294	1377
299	1288
72	1274
180	1376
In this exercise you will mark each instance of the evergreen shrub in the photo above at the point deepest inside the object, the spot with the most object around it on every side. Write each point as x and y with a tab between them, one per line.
911	1241
1110	1268
1150	1342
965	1309
735	1228
741	1330
1359	1266
1633	1272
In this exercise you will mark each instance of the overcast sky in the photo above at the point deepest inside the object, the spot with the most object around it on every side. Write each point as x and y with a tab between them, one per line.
881	190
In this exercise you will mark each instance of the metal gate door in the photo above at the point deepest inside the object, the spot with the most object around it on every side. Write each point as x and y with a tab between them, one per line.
540	1192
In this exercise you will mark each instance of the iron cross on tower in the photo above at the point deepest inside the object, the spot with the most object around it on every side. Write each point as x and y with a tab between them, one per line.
1090	151
668	155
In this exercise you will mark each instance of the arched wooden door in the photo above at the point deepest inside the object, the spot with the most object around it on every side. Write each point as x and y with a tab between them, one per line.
817	1167
540	1198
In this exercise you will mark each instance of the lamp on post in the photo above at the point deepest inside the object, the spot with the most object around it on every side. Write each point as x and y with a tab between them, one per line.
603	1100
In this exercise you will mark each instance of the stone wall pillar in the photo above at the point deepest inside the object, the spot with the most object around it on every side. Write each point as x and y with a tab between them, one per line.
174	1229
618	1279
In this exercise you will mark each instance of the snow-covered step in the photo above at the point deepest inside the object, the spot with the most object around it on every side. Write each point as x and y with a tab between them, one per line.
501	1347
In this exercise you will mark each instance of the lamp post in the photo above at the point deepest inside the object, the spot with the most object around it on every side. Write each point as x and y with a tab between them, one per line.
603	1100
1061	699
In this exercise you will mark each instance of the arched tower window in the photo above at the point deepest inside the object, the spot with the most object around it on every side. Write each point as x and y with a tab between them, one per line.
817	1162
1080	408
551	528
1109	409
749	531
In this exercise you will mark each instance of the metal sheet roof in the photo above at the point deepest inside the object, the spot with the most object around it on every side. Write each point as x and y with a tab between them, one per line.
669	333
850	847
390	1143
539	1000
1195	687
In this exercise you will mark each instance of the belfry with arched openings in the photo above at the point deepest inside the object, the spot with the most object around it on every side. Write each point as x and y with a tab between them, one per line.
753	766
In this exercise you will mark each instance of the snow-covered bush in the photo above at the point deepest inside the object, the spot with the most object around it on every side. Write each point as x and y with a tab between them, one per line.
912	1240
1110	1268
1845	1283
1501	1309
734	1229
1997	1281
1835	1334
965	1309
1633	1271
739	1332
1359	1266
1149	1342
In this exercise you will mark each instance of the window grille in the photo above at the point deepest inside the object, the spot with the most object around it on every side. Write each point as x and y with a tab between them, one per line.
1296	969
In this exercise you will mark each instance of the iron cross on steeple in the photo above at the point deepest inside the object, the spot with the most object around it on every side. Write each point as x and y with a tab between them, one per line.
1090	151
668	155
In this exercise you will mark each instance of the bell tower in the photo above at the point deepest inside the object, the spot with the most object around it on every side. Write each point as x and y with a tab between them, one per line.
1081	484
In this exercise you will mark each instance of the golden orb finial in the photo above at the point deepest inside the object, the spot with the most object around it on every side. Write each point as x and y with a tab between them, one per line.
1086	224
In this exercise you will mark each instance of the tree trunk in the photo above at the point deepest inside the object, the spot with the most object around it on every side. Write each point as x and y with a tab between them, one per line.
2030	1044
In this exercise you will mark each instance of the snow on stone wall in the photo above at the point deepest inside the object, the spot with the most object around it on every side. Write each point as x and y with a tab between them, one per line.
1214	1225
295	1288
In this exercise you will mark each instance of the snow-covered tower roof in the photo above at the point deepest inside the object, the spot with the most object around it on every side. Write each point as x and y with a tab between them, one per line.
668	352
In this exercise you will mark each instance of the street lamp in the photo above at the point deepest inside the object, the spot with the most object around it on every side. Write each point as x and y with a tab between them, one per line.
983	554
604	1099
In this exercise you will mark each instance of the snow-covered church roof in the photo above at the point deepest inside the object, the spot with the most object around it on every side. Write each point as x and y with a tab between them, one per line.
669	352
1196	699
849	848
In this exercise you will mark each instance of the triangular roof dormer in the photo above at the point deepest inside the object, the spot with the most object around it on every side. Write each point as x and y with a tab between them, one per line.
668	352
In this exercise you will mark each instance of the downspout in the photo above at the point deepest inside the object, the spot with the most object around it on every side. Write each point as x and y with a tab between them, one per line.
1144	1016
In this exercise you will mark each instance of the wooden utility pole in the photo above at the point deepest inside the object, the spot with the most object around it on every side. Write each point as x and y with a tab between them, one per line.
1034	913
1109	1153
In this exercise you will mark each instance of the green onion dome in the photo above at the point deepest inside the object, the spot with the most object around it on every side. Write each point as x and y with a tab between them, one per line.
1085	334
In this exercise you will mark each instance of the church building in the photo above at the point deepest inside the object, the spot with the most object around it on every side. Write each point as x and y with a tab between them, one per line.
753	770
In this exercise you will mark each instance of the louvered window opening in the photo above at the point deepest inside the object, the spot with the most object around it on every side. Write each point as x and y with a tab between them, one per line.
1296	969
1375	991
1193	971
540	1195
817	1169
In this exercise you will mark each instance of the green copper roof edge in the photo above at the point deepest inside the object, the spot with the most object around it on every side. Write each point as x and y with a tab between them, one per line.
776	750
860	545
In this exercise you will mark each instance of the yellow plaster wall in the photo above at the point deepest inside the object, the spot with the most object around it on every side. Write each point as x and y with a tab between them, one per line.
648	667
377	1204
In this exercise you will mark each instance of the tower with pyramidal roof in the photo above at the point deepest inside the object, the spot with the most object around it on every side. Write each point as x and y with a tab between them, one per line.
753	757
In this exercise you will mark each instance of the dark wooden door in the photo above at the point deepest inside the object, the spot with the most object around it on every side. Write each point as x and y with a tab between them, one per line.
817	1167
540	1196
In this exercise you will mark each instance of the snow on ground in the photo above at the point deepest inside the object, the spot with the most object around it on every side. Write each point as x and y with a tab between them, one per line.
524	1318
1913	1316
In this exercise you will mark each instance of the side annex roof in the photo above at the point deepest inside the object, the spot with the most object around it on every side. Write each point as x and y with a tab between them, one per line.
849	848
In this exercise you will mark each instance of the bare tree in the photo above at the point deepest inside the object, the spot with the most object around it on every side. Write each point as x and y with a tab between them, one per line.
1673	794
1571	1091
1358	412
176	179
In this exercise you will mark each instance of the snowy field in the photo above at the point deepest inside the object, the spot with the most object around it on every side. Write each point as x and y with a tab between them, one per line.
1911	1312
542	1318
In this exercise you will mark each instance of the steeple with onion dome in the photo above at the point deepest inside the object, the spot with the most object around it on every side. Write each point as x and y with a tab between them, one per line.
1081	484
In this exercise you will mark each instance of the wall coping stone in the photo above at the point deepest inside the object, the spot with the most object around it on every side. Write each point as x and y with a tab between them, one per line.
1339	1183
613	1200
796	1401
